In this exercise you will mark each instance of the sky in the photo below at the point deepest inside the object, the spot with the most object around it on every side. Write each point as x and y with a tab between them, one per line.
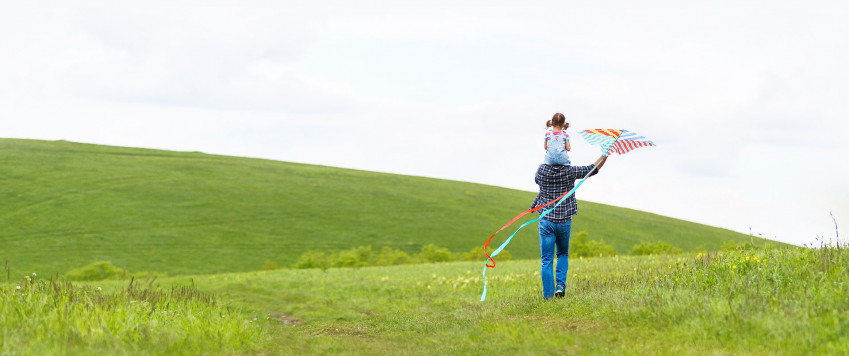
747	101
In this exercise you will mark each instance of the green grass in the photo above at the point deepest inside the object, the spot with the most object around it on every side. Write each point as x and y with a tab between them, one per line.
39	317
64	205
777	301
774	301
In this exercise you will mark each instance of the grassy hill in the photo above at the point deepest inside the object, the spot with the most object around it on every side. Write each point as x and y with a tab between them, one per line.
64	205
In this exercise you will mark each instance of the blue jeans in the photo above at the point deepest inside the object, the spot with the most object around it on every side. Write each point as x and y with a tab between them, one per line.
553	234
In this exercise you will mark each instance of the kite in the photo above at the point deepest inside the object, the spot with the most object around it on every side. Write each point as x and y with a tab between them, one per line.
619	141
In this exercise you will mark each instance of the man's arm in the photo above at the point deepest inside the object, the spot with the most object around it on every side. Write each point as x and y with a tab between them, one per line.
578	172
599	162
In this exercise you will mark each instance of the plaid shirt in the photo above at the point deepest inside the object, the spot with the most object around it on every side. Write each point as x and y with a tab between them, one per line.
553	181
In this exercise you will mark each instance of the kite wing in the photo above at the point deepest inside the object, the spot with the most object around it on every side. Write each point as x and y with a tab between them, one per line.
619	141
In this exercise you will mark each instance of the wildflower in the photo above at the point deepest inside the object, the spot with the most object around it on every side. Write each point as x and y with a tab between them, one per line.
747	258
699	255
99	289
734	267
18	287
33	274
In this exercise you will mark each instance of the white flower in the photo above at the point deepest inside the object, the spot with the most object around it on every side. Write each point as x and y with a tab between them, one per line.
98	289
18	287
33	274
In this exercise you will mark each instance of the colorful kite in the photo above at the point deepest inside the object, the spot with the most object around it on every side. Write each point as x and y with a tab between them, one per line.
619	141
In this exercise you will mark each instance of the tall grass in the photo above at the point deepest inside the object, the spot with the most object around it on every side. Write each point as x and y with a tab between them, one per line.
40	317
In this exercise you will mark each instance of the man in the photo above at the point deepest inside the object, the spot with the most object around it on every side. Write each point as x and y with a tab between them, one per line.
556	226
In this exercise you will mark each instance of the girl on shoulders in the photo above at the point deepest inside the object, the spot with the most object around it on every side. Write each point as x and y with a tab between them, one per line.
557	145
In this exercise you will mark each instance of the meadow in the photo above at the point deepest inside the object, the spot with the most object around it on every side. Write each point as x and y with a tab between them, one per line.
776	300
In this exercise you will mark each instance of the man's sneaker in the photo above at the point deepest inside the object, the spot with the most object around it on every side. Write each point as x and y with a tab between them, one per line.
560	291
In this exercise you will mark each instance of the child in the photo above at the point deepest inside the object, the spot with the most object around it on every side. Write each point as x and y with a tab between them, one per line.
557	141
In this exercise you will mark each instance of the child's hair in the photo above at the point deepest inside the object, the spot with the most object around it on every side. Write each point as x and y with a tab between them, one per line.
558	120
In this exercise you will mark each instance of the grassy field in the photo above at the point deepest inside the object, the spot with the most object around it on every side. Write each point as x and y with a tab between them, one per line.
65	205
773	301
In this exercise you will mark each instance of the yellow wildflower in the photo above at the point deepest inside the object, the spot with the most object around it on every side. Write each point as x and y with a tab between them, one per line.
734	267
747	258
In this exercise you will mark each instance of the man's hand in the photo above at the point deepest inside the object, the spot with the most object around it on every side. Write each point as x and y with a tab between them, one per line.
599	162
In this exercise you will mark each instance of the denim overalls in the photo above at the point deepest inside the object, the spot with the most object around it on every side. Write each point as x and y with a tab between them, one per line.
556	153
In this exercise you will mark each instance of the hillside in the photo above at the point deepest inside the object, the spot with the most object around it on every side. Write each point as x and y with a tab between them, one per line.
66	204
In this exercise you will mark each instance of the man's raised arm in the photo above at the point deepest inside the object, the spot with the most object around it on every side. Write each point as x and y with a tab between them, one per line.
600	162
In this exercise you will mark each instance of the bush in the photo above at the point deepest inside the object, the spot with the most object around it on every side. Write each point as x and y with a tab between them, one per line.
390	257
355	257
270	266
364	256
655	248
432	253
581	246
96	271
312	259
476	254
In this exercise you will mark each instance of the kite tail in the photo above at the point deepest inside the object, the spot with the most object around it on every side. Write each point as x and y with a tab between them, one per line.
485	245
559	200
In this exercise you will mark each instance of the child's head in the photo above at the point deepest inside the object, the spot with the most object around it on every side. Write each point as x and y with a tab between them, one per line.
558	121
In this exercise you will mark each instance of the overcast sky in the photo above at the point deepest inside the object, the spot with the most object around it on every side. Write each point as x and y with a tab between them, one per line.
747	101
